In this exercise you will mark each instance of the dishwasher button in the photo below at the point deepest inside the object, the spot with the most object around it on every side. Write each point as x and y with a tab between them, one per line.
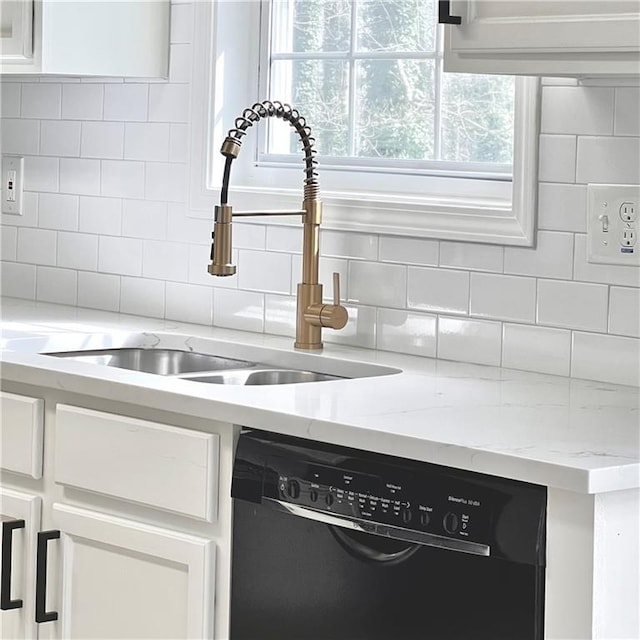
313	495
424	518
406	516
450	522
328	499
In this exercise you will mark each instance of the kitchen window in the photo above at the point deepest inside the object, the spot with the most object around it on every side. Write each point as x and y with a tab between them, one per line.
403	147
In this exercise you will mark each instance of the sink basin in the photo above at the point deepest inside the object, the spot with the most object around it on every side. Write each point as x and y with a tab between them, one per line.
205	360
165	362
263	376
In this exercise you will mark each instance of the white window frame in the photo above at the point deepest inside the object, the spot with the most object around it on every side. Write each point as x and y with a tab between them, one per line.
225	72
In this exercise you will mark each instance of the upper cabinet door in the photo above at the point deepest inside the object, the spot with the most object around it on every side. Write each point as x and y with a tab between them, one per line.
544	37
16	30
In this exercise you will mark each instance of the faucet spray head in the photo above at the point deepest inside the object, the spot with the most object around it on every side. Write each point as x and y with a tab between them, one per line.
221	245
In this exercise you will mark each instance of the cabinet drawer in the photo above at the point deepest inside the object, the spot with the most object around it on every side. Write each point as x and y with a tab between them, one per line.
22	420
165	467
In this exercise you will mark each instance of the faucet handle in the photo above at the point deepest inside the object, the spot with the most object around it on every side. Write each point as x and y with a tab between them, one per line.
336	288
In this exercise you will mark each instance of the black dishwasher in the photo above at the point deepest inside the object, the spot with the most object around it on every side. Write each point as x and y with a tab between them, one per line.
333	543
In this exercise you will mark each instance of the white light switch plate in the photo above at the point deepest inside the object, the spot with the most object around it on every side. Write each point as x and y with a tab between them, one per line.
12	179
613	224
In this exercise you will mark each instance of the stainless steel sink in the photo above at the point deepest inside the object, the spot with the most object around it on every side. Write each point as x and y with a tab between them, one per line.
263	376
165	362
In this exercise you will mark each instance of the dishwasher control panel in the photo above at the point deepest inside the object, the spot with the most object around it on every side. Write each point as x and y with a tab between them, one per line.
432	504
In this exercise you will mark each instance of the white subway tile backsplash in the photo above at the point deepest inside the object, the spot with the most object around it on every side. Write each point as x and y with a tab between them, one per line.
9	240
557	158
60	138
280	315
408	250
10	99
503	297
536	349
189	303
407	332
551	258
98	291
624	275
178	143
58	211
572	305
36	246
120	255
80	176
21	137
624	311
165	181
41	100
264	271
143	219
147	141
243	310
583	110
41	173
607	358
180	63
101	215
57	285
438	290
627	118
339	244
123	178
82	101
142	297
181	23
165	260
77	251
477	341
562	207
103	140
474	257
248	236
287	239
615	160
378	284
360	330
182	228
18	280
126	102
168	103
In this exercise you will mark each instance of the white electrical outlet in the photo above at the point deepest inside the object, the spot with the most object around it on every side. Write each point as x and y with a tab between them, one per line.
12	179
612	224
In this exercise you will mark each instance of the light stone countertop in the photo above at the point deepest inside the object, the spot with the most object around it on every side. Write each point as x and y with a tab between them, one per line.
561	432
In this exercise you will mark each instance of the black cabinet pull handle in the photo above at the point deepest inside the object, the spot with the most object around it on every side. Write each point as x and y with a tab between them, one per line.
6	602
444	13
42	615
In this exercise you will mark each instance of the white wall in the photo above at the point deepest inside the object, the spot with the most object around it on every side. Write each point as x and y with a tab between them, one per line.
106	225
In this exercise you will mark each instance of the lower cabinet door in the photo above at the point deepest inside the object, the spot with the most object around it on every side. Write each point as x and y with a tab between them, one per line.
20	514
124	579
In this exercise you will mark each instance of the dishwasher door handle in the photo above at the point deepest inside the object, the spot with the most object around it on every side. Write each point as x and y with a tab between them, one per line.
380	529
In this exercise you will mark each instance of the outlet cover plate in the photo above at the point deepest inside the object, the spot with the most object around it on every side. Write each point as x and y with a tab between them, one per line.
12	180
613	224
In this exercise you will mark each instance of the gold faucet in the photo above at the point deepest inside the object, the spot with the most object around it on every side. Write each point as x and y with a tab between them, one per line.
311	313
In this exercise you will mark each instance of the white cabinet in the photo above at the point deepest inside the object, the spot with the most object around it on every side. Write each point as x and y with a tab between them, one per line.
123	538
20	513
16	30
124	38
123	579
550	37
